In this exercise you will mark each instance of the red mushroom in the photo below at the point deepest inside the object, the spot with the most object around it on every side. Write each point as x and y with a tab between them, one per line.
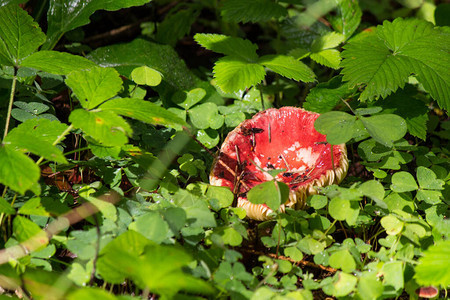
282	138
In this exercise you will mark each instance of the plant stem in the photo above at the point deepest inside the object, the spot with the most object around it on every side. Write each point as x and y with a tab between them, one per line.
11	100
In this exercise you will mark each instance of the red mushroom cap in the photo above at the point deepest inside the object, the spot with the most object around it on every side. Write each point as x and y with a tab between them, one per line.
282	138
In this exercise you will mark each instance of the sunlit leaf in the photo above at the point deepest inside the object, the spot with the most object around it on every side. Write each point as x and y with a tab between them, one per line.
232	46
19	35
94	86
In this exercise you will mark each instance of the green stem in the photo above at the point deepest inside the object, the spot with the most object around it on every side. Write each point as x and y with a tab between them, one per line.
11	100
56	142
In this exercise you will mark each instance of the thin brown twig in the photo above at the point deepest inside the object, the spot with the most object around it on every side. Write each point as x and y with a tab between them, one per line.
285	162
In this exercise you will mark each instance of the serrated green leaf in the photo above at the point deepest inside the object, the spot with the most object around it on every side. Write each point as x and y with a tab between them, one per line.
325	96
34	207
29	234
54	62
146	76
403	182
232	46
66	15
327	41
386	128
30	137
17	171
233	75
339	127
288	66
19	35
433	265
104	126
5	207
251	10
329	58
383	61
347	17
141	110
94	86
163	58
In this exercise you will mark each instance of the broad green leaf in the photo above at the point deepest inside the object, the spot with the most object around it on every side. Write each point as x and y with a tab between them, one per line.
427	179
327	41
17	171
141	110
188	99
108	209
206	115
430	197
339	208
146	76
343	260
374	190
37	136
383	61
94	86
104	126
29	234
19	35
343	285
34	207
403	182
222	195
59	63
386	128
339	127
152	226
28	142
66	15
369	286
288	66
309	245
232	46
271	193
294	253
208	137
251	10
177	25
5	207
163	58
231	237
392	225
433	265
44	129
413	110
329	58
393	276
325	96
396	201
347	17
233	74
196	209
319	201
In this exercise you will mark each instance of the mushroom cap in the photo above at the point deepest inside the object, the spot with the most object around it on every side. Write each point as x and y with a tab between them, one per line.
282	138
